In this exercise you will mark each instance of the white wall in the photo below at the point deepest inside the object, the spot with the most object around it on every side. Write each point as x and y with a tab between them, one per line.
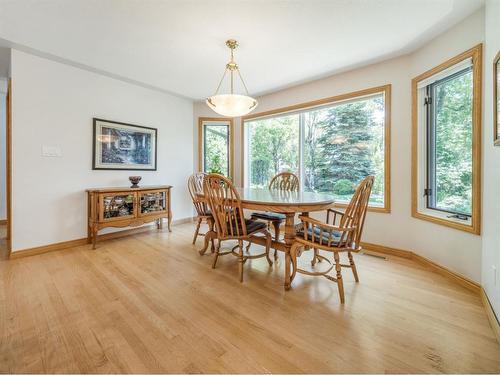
491	160
459	251
3	195
53	104
451	248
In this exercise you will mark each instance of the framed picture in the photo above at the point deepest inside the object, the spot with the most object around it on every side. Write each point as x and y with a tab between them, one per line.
118	145
496	99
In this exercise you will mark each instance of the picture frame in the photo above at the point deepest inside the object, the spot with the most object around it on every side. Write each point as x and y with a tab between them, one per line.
496	100
123	146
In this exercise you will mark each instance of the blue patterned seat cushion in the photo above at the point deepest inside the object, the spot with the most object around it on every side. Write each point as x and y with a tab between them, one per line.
271	216
325	235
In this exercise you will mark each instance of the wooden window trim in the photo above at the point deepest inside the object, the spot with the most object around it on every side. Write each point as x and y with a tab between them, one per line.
496	139
201	122
475	54
8	158
385	89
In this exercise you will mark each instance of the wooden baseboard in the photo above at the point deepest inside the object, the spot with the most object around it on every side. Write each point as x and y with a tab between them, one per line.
386	250
83	241
495	324
460	279
47	248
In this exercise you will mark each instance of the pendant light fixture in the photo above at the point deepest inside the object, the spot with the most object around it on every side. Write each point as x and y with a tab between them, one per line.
232	105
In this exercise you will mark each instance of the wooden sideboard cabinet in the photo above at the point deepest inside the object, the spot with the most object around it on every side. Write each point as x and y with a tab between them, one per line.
127	207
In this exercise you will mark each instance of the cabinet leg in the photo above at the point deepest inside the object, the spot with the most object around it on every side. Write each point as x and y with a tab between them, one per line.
169	222
89	234
94	237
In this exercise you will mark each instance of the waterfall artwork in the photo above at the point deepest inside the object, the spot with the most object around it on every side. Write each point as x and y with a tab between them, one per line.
117	145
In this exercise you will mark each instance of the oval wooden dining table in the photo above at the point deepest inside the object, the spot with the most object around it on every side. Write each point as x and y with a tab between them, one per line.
288	203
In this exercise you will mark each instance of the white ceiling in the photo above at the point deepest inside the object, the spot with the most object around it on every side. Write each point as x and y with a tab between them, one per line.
178	46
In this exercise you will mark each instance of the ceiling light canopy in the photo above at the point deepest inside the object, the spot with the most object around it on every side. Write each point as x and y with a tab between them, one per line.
232	105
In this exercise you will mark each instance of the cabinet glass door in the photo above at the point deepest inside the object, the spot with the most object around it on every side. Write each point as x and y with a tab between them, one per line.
152	202
117	206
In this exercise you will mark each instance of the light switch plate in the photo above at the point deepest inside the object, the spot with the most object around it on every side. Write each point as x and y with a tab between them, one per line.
51	151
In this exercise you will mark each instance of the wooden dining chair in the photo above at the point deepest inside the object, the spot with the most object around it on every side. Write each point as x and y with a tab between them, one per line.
230	222
203	213
343	236
285	181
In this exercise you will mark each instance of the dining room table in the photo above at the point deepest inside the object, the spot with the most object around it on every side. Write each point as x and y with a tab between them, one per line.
288	203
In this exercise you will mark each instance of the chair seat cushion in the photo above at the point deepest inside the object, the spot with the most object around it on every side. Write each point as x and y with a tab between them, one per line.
252	226
335	236
271	216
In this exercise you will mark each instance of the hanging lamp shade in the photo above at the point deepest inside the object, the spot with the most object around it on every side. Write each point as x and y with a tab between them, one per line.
231	105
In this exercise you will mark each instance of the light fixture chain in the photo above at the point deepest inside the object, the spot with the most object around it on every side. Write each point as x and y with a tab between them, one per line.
232	75
220	83
242	81
232	83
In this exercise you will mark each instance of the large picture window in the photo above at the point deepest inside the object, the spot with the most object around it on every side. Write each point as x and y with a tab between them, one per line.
446	155
331	145
215	146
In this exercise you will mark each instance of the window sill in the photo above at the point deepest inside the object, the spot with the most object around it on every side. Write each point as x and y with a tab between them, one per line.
470	227
383	210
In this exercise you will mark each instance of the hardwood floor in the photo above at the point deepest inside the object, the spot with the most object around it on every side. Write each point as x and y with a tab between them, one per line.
149	303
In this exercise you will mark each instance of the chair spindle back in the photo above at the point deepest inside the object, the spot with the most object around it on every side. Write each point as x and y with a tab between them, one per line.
284	181
225	203
355	213
195	187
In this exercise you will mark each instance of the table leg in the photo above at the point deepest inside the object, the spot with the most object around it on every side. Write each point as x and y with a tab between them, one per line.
289	237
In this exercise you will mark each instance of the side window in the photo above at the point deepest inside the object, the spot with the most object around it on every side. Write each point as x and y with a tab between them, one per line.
446	153
215	146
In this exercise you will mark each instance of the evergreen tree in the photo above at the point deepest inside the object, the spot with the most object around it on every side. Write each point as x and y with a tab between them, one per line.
345	152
